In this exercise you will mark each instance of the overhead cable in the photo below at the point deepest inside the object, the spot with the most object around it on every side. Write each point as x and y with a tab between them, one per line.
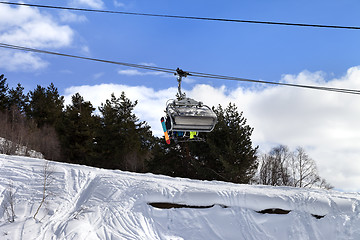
15	47
190	73
213	76
185	17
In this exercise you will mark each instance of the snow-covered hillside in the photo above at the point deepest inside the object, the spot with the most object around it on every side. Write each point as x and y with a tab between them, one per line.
90	203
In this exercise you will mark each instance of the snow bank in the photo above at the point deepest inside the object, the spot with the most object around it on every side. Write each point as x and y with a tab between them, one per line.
90	203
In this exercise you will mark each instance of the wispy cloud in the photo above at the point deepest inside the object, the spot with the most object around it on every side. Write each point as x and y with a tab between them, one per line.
98	75
189	80
68	17
20	61
119	4
148	64
96	4
134	72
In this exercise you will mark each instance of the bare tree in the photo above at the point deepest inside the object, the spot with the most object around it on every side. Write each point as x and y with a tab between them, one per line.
6	146
9	203
47	177
22	135
274	167
15	131
325	185
268	174
303	169
4	122
284	168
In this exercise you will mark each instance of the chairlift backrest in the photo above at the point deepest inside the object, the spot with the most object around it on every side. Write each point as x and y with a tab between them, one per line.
190	115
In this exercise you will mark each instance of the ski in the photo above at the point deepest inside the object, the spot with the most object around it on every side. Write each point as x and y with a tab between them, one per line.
165	130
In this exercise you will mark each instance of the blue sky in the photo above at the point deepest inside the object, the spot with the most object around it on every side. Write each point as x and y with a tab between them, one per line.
325	124
238	49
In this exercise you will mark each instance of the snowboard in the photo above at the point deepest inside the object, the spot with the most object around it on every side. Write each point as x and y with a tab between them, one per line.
167	139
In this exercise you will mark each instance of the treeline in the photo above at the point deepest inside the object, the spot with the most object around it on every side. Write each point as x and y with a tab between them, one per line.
74	133
117	139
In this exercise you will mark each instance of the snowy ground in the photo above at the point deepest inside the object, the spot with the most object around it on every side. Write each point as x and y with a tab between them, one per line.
90	203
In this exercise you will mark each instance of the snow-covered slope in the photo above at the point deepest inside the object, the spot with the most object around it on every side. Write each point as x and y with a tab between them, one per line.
90	203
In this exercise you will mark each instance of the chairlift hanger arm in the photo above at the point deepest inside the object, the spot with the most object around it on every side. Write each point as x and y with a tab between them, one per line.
180	73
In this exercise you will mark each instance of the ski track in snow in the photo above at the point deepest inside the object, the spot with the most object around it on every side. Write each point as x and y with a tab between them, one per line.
91	203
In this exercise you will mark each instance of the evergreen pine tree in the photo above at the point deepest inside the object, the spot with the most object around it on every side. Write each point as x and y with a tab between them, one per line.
45	106
230	143
123	140
17	98
167	160
4	99
79	132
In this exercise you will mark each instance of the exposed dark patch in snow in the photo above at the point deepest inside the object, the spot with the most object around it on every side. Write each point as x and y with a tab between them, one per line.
164	205
274	211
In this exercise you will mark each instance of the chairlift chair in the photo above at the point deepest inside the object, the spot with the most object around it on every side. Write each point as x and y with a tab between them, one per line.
186	115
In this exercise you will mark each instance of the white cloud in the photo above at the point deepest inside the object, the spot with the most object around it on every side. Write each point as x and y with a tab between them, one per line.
326	124
98	75
12	61
85	49
69	17
28	27
189	80
148	64
119	4
66	71
134	72
130	72
96	4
